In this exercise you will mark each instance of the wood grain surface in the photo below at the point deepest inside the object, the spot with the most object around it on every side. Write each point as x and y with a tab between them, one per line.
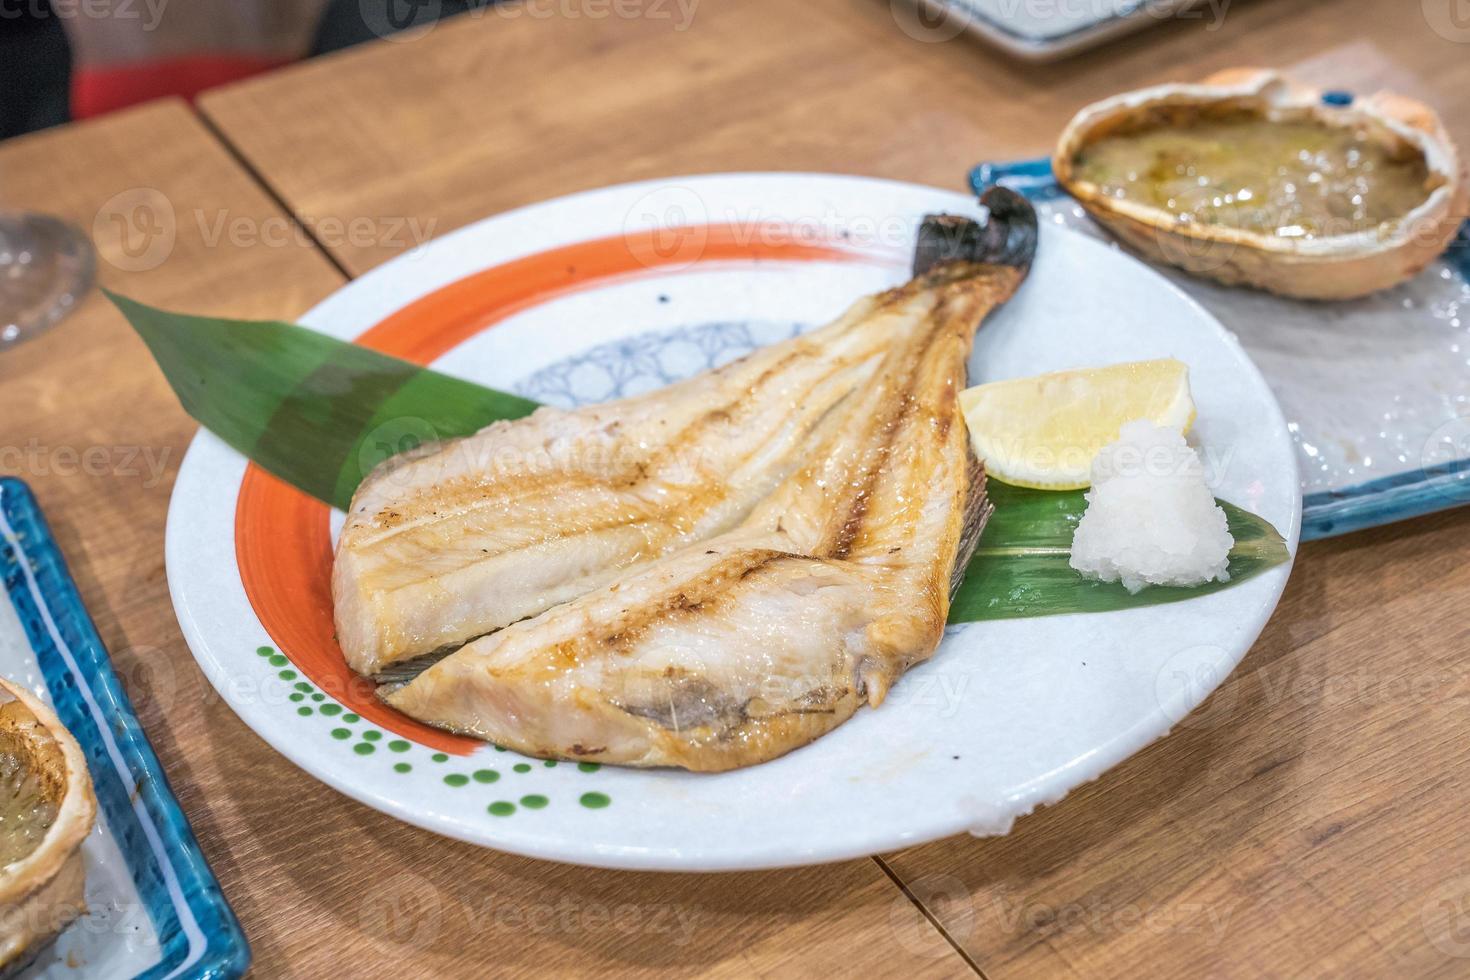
501	109
1310	819
324	886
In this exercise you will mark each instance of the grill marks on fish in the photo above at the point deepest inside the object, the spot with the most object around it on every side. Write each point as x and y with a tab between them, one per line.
483	490
759	639
699	595
647	613
902	405
487	530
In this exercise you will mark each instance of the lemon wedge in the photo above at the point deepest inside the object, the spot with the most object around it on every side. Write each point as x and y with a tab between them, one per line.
1043	432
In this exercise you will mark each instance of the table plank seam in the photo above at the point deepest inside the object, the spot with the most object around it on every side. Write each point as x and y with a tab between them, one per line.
277	199
924	911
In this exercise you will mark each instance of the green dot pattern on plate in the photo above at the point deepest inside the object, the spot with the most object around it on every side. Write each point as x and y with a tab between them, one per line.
370	738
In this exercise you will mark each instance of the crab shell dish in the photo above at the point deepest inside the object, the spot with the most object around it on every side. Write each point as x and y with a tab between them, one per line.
41	886
1335	266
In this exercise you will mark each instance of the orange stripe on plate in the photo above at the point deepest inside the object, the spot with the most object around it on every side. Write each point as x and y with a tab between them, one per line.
282	536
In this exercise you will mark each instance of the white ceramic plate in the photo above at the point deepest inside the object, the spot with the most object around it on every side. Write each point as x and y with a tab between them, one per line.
1005	717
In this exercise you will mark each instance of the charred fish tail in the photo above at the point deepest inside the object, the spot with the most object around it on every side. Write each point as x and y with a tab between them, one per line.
1008	236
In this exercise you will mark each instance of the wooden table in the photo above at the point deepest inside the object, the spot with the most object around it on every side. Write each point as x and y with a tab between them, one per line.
1309	819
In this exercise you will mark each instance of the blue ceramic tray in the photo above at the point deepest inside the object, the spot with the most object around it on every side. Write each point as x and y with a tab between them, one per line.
1376	391
154	908
1042	31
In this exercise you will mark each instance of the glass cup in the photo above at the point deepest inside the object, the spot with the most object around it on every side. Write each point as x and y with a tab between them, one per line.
46	267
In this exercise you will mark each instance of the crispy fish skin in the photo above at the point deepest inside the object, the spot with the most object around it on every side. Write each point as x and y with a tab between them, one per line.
744	645
466	537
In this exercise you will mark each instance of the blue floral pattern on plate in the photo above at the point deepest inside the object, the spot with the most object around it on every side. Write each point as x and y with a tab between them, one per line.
649	360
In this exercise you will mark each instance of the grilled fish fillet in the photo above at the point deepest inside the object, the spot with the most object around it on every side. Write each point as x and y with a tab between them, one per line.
799	573
472	535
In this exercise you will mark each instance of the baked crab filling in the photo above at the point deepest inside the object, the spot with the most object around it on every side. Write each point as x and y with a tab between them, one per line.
1296	179
31	786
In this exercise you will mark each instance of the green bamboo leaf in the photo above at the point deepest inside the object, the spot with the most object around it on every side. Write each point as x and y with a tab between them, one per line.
315	411
320	413
1021	567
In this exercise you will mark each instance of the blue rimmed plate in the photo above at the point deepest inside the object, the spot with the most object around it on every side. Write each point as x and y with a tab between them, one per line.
1042	31
1376	391
154	908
